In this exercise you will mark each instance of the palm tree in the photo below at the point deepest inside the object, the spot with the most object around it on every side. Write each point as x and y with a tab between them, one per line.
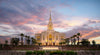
78	37
93	42
28	40
22	35
33	40
16	41
71	40
74	40
67	41
6	42
12	41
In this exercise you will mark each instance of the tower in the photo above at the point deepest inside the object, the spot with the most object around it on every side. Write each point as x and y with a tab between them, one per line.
50	37
50	24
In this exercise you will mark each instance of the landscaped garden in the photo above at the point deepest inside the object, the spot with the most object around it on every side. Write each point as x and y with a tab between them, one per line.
57	52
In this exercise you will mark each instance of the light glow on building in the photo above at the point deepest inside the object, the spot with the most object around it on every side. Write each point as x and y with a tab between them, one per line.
50	48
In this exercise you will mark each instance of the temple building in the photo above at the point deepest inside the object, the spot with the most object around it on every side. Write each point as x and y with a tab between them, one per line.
50	37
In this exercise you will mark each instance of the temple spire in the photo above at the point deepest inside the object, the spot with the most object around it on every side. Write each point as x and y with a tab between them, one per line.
50	25
50	16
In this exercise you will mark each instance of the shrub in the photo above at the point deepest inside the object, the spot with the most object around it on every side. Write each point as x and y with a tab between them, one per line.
39	52
70	53
28	52
56	52
52	52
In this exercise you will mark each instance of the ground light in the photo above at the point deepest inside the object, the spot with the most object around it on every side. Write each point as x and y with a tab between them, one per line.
50	48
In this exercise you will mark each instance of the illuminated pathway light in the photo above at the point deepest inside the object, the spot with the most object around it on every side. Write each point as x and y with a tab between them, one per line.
50	48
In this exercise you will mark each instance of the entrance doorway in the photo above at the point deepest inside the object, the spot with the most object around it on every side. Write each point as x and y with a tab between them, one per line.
50	44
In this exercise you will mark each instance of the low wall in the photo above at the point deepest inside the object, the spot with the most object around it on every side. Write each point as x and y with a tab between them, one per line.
30	47
63	48
72	47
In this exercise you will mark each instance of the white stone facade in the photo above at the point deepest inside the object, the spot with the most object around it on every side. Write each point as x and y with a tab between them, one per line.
50	37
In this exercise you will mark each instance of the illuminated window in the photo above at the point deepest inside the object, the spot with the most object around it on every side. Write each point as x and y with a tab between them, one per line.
38	38
50	38
56	37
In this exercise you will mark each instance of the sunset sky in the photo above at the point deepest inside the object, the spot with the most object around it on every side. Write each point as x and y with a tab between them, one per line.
32	16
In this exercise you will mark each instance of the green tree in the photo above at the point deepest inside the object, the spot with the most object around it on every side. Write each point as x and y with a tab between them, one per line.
93	42
22	35
85	42
71	40
39	44
12	41
33	41
6	42
74	40
78	37
28	40
63	42
67	41
60	43
16	41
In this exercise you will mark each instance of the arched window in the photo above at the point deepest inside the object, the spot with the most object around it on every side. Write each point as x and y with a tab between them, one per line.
50	37
38	37
56	37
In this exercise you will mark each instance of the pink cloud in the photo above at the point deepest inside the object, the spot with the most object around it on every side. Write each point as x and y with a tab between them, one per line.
90	33
26	20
